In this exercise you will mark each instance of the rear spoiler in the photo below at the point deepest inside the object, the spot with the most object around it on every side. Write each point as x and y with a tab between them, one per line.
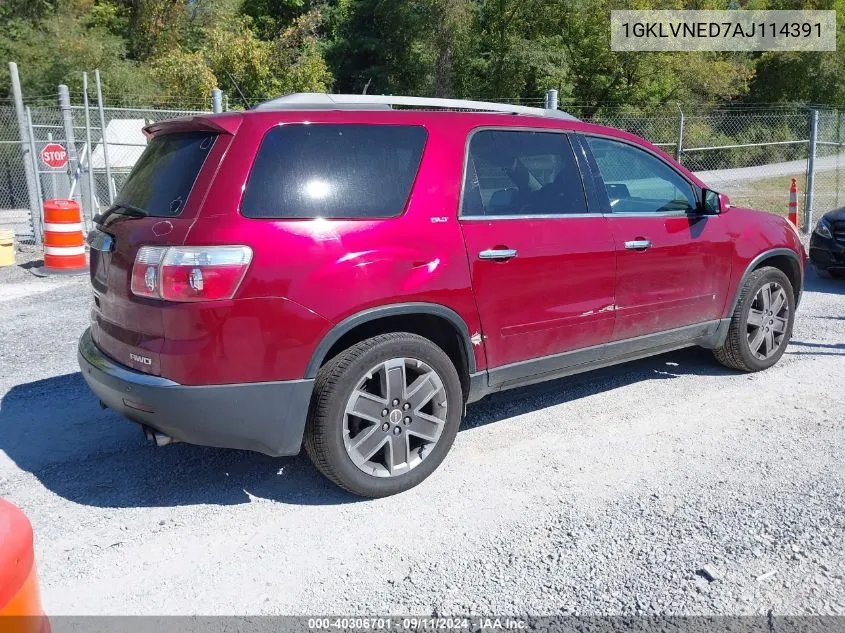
222	124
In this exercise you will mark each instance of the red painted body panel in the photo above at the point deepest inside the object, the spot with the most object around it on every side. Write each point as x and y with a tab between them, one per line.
752	233
555	296
682	279
561	293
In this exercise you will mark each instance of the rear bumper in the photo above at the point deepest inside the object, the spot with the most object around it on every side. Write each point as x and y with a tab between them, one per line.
267	417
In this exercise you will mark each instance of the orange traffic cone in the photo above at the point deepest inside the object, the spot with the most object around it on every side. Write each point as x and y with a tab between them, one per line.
793	203
20	607
64	241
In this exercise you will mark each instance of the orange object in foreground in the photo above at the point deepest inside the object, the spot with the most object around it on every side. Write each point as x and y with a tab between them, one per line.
64	241
793	203
20	606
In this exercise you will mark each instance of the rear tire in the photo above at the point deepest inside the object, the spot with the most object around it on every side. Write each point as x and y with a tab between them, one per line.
761	324
378	454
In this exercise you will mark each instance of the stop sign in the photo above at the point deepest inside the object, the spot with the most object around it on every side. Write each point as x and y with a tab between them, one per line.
54	156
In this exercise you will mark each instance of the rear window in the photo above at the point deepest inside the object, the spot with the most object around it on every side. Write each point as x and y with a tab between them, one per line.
334	171
163	177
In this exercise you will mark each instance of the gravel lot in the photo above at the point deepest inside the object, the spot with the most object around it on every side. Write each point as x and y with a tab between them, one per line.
604	493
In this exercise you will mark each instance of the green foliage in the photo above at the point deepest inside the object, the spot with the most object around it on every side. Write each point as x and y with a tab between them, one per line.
153	50
378	45
160	52
185	73
272	17
58	47
257	69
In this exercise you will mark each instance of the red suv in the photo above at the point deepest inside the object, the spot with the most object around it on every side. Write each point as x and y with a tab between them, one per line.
332	271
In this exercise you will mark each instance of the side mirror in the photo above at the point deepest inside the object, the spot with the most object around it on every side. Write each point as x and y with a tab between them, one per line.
714	203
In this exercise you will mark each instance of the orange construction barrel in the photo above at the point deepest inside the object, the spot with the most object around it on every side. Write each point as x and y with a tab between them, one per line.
20	606
64	241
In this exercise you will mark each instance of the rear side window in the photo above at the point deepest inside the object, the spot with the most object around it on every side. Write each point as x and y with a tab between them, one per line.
334	171
163	177
522	173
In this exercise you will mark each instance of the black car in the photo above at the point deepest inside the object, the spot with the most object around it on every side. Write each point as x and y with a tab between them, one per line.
827	244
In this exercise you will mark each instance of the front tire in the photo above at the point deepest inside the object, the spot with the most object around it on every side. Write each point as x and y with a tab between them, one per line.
384	414
761	324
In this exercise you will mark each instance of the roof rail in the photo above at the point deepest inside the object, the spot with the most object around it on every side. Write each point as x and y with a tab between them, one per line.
323	101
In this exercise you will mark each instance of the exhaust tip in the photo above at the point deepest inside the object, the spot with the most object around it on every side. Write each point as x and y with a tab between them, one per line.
163	440
158	438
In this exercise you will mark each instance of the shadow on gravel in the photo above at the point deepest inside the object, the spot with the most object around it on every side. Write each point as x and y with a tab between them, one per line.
814	283
506	404
814	347
55	429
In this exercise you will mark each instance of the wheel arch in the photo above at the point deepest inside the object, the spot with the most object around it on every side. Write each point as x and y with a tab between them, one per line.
442	325
784	259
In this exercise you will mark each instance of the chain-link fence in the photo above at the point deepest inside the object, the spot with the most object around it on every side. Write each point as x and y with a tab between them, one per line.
98	157
750	154
14	201
753	153
829	163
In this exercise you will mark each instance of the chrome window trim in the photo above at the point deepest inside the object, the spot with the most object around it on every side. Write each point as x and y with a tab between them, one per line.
656	214
696	189
515	128
545	216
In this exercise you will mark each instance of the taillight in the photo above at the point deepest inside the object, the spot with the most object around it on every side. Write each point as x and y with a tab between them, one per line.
145	271
189	273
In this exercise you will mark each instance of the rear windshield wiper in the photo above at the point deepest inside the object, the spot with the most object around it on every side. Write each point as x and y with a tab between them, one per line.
122	209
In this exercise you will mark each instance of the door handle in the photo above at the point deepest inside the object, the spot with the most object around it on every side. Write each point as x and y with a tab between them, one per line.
637	245
498	253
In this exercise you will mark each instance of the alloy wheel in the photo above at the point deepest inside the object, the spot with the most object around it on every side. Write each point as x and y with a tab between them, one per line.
394	417
768	320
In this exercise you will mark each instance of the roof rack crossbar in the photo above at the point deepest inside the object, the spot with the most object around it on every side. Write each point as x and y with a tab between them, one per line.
323	101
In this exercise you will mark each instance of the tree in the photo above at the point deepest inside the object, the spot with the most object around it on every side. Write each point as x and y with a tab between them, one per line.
185	74
450	21
259	69
155	26
602	78
809	77
58	47
378	45
272	17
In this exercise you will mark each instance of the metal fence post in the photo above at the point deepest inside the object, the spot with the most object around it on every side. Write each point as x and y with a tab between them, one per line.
36	217
551	99
103	136
679	150
811	170
838	202
217	100
29	159
54	185
92	193
70	139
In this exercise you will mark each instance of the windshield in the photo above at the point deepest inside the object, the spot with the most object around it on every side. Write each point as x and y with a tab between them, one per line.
163	177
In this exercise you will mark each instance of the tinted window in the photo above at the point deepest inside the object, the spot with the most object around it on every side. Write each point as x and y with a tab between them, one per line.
334	171
522	173
164	175
637	181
